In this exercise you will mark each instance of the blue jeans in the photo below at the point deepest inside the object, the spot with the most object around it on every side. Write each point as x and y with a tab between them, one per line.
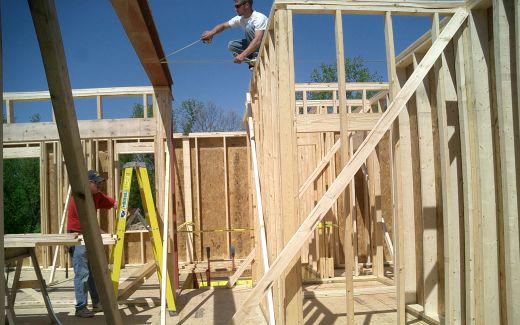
238	46
83	280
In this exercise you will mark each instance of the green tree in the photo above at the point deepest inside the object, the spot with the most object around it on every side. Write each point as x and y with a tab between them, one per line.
138	111
355	71
22	193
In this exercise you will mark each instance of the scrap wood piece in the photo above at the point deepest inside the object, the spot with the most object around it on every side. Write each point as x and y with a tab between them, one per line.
136	279
338	186
249	259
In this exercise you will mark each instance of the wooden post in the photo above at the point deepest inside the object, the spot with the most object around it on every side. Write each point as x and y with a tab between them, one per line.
145	106
188	201
288	161
397	180
9	114
503	41
468	160
428	195
449	180
226	196
487	305
99	105
164	141
53	55
2	253
345	201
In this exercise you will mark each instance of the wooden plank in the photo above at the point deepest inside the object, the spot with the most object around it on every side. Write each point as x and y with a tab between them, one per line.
21	152
134	147
226	195
243	266
468	159
29	96
136	279
449	180
400	198
261	223
137	20
371	7
2	253
51	47
428	195
406	200
9	108
345	203
487	306
336	188
333	86
188	201
93	129
99	106
331	122
503	43
288	161
317	171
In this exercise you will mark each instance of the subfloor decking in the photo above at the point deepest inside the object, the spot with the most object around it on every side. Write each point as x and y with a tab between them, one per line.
208	305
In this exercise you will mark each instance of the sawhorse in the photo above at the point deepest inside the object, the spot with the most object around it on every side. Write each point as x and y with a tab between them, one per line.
17	255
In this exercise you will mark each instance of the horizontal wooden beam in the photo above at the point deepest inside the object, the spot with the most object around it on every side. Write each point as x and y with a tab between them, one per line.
371	7
134	147
138	23
91	129
21	152
330	122
330	86
343	179
28	96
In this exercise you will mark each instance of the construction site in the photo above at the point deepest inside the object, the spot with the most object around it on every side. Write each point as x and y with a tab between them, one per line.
388	202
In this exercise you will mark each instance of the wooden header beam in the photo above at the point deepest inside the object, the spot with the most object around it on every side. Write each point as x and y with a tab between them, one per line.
48	32
138	23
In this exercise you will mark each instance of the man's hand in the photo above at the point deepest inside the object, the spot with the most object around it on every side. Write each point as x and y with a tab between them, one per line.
239	58
207	36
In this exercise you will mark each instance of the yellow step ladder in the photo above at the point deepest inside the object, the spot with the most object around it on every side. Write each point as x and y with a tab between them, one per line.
152	226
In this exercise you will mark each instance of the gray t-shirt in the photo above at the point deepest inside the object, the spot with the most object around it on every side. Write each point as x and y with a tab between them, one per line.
257	19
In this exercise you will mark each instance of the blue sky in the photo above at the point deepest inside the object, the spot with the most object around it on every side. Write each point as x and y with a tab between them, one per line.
100	55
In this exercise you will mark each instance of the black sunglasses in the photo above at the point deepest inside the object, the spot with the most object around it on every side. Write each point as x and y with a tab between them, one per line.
240	5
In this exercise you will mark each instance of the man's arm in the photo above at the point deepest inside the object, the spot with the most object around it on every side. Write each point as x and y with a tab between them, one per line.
253	46
207	36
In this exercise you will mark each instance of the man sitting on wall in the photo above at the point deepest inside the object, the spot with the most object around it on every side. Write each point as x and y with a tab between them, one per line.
252	22
83	280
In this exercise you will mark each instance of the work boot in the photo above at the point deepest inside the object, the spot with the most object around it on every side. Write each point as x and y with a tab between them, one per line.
84	313
97	308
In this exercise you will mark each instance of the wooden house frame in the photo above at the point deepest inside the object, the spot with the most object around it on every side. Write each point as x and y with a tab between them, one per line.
454	170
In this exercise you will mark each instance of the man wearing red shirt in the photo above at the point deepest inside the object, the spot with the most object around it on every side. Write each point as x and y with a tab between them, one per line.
83	280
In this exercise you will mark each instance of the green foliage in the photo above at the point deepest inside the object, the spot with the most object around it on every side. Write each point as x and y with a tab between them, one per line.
35	118
186	114
138	111
22	195
355	71
135	195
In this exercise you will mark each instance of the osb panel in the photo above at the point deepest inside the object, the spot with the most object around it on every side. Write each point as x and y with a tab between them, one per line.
213	209
238	189
386	188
